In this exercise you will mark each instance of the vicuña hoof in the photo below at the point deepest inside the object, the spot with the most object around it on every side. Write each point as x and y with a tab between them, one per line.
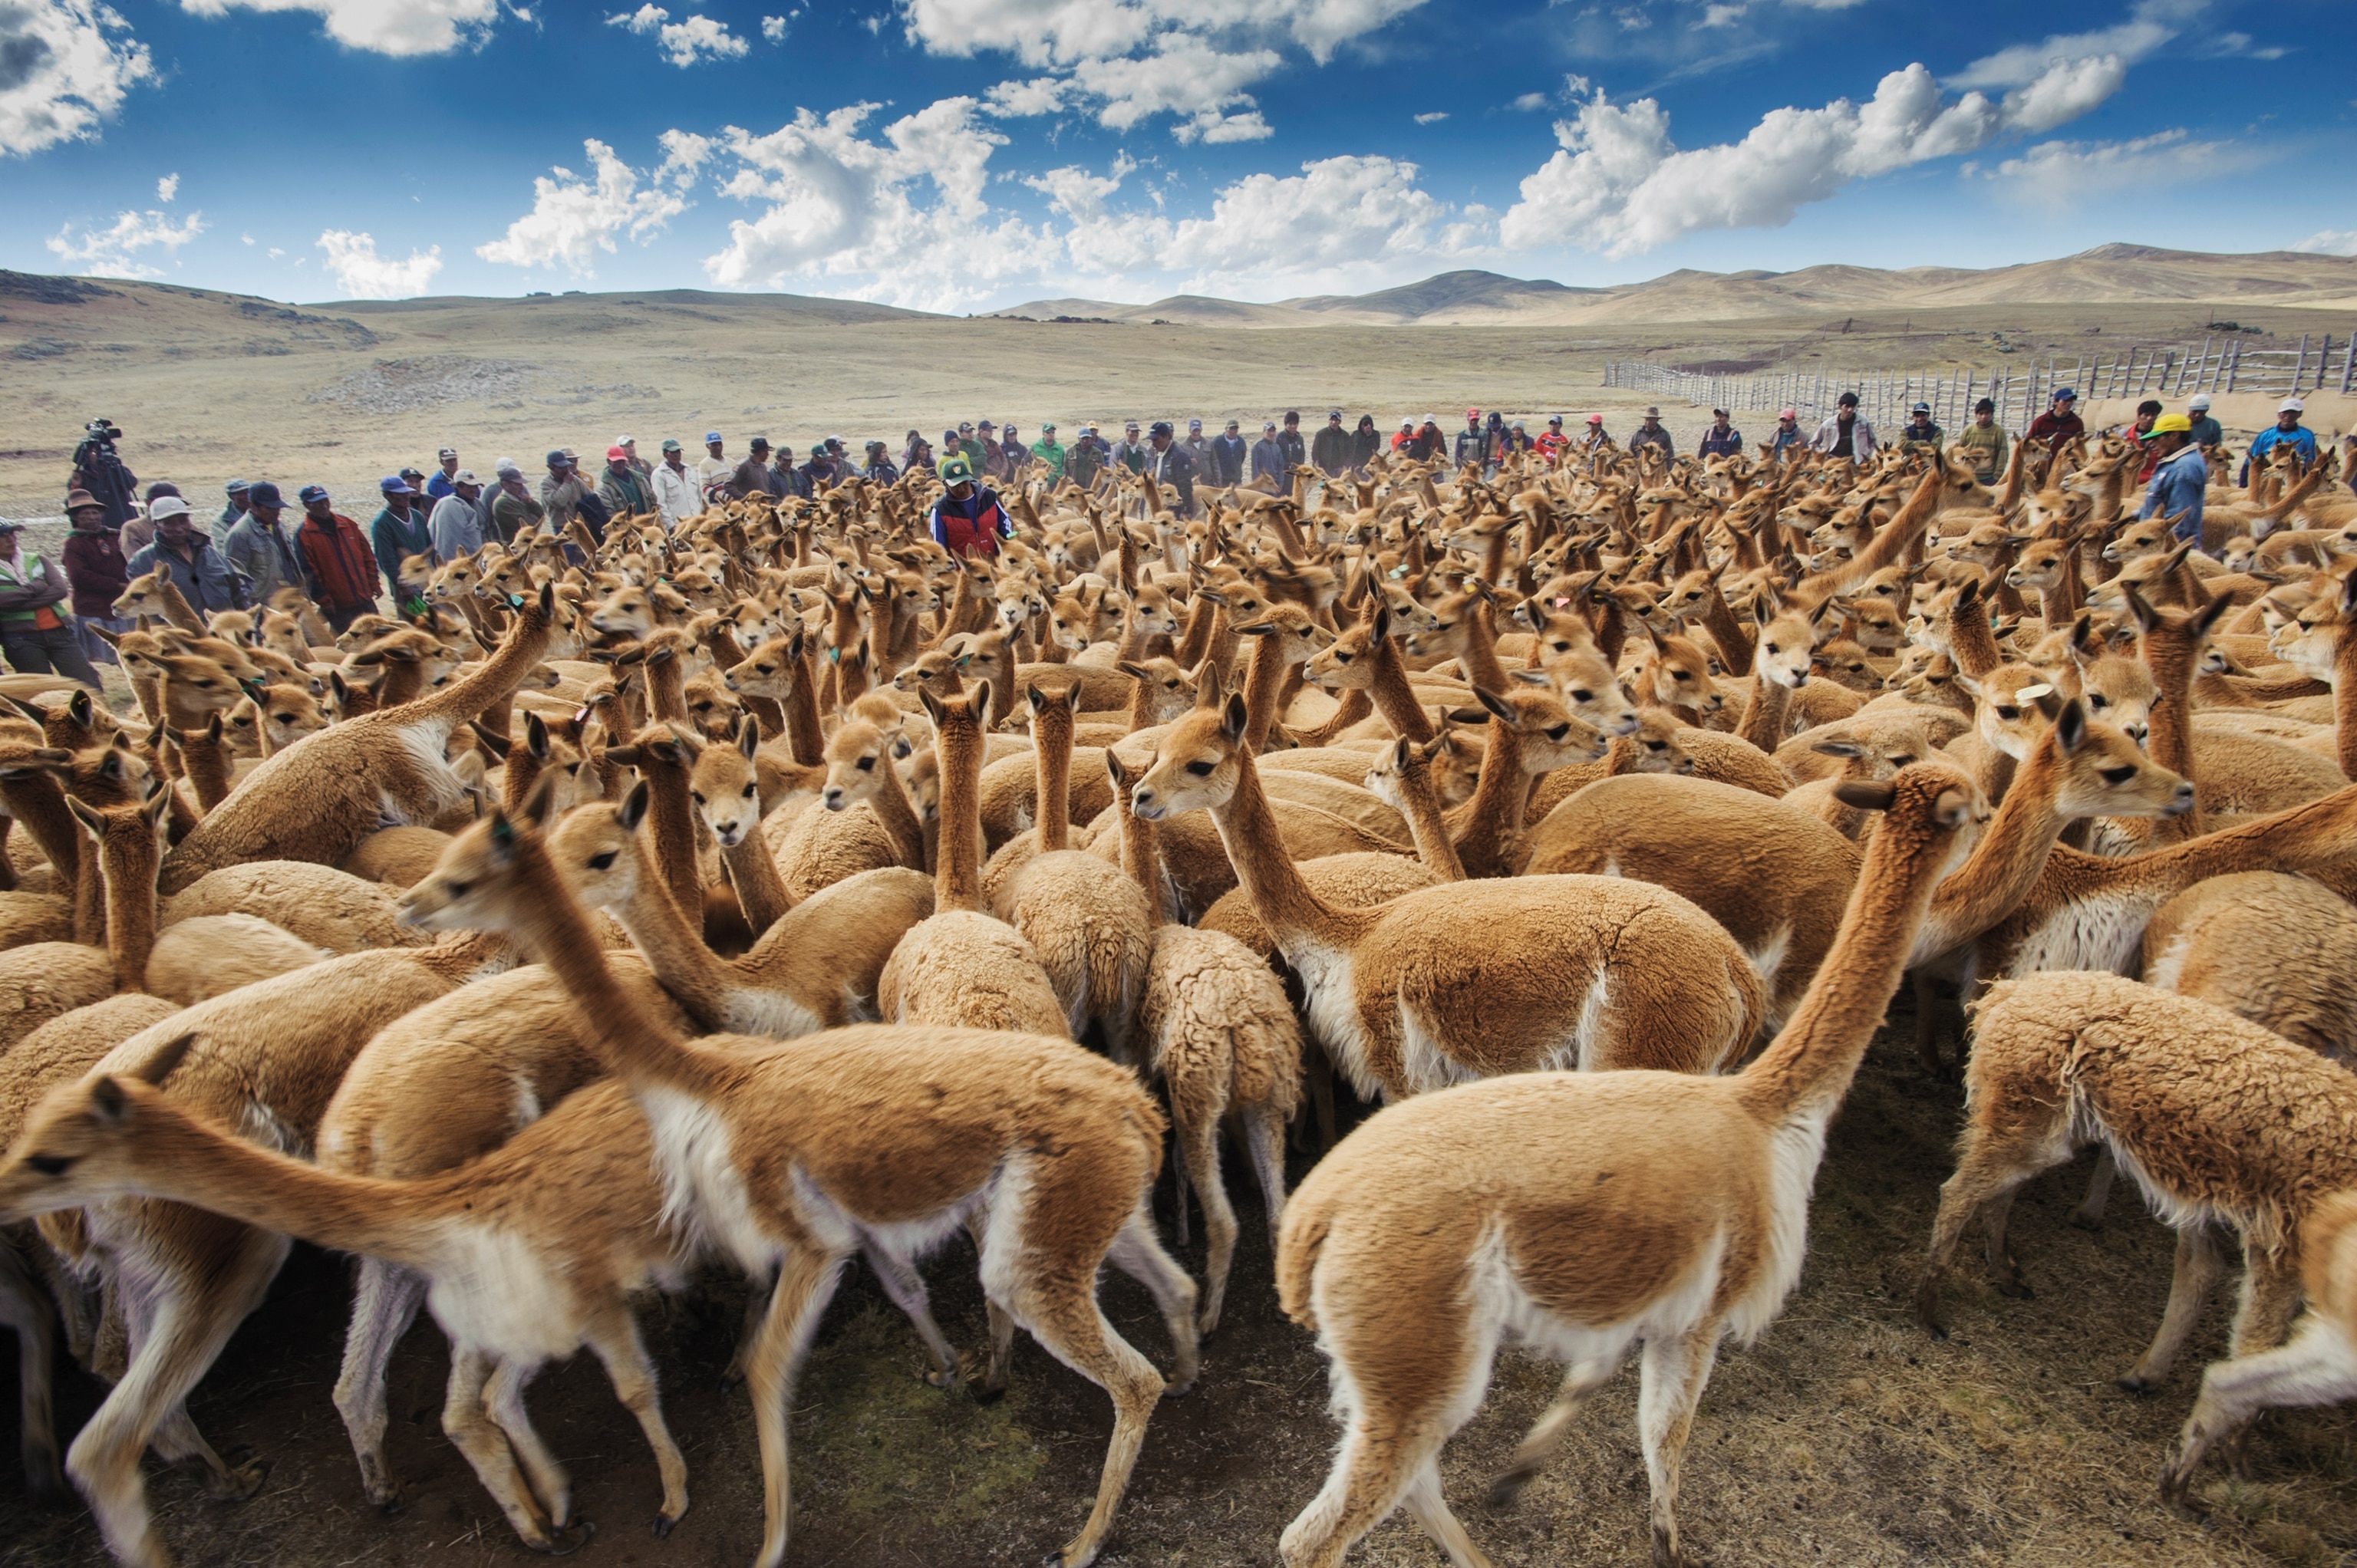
987	1394
242	1482
1507	1489
45	1483
2014	1289
664	1527
565	1542
2086	1221
2138	1383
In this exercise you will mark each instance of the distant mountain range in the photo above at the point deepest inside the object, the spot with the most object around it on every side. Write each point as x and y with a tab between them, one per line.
2107	274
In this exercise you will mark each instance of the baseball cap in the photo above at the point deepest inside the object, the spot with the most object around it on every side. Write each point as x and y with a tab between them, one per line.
2068	394
671	443
1788	413
710	436
1554	419
558	459
1050	427
2167	423
986	424
1333	413
1194	424
1920	408
616	452
964	426
1161	427
1594	419
237	487
10	525
621	441
465	476
759	444
506	466
394	485
1268	425
1472	413
1408	423
2200	403
445	453
2291	405
955	469
310	493
262	492
1719	414
1131	426
162	507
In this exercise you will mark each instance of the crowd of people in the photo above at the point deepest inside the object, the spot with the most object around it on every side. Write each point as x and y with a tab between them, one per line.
51	613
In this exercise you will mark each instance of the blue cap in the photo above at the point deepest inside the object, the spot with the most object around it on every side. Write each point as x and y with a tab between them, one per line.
1161	427
308	494
394	485
262	492
2068	394
710	436
237	487
557	456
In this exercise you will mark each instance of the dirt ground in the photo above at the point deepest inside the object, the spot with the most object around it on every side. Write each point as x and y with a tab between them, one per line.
1844	1437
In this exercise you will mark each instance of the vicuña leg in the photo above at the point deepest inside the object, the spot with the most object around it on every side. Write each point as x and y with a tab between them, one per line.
385	1299
2318	1367
806	1283
614	1335
1580	1379
1673	1372
466	1418
2199	1264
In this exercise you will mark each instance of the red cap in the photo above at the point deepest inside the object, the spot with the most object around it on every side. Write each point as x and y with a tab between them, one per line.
1594	419
614	453
1472	413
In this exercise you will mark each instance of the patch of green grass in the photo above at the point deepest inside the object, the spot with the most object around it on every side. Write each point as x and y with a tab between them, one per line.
879	1441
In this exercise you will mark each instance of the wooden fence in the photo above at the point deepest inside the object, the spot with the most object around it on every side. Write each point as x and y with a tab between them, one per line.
2218	364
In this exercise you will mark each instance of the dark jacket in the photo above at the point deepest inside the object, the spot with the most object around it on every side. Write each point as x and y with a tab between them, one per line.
343	573
2055	429
204	579
1229	454
96	566
1174	467
1330	452
1291	449
397	538
1365	442
1714	445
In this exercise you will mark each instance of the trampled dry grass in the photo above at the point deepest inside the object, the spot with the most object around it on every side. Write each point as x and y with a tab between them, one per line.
1844	1437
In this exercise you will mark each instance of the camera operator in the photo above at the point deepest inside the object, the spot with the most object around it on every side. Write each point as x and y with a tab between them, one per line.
100	470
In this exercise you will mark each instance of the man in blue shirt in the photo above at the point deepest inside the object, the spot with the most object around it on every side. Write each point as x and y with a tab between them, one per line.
2179	480
2288	432
397	533
443	481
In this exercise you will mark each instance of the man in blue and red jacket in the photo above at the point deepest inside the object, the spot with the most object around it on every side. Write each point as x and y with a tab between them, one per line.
968	520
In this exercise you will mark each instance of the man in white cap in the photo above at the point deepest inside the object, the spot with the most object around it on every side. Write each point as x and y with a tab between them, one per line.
187	555
2207	432
1268	456
638	466
2288	432
438	484
456	523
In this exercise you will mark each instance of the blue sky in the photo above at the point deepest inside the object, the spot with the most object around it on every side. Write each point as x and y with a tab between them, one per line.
961	154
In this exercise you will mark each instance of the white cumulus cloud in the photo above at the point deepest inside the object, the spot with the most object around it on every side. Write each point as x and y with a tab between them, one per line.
65	67
897	217
774	28
684	43
113	252
572	218
1129	61
2330	243
2150	24
167	188
385	27
1618	184
362	274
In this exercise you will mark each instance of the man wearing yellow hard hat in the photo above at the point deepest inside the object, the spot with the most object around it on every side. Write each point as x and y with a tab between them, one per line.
2179	479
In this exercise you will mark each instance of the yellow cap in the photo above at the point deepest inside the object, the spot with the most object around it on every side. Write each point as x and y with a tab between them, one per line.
2167	423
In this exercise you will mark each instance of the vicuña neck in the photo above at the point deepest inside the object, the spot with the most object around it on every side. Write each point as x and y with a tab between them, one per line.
1807	1068
1295	916
957	874
2007	862
1393	696
636	1046
1494	814
1051	743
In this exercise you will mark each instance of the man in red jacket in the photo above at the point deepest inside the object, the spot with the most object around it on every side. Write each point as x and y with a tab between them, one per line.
336	560
95	566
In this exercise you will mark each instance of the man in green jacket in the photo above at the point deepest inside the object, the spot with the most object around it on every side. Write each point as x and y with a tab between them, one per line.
2206	430
1985	442
1047	450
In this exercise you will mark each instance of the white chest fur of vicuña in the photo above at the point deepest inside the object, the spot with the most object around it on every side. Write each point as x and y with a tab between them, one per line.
2100	933
704	1192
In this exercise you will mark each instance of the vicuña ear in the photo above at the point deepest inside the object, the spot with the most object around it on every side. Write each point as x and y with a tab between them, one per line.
749	737
1496	704
1951	809
163	1060
93	824
1118	773
633	809
1233	719
2070	726
1865	795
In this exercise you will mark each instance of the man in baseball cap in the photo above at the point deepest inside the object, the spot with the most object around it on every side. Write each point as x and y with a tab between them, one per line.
967	519
1329	453
1268	454
261	548
438	483
397	533
2179	480
237	491
2287	431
